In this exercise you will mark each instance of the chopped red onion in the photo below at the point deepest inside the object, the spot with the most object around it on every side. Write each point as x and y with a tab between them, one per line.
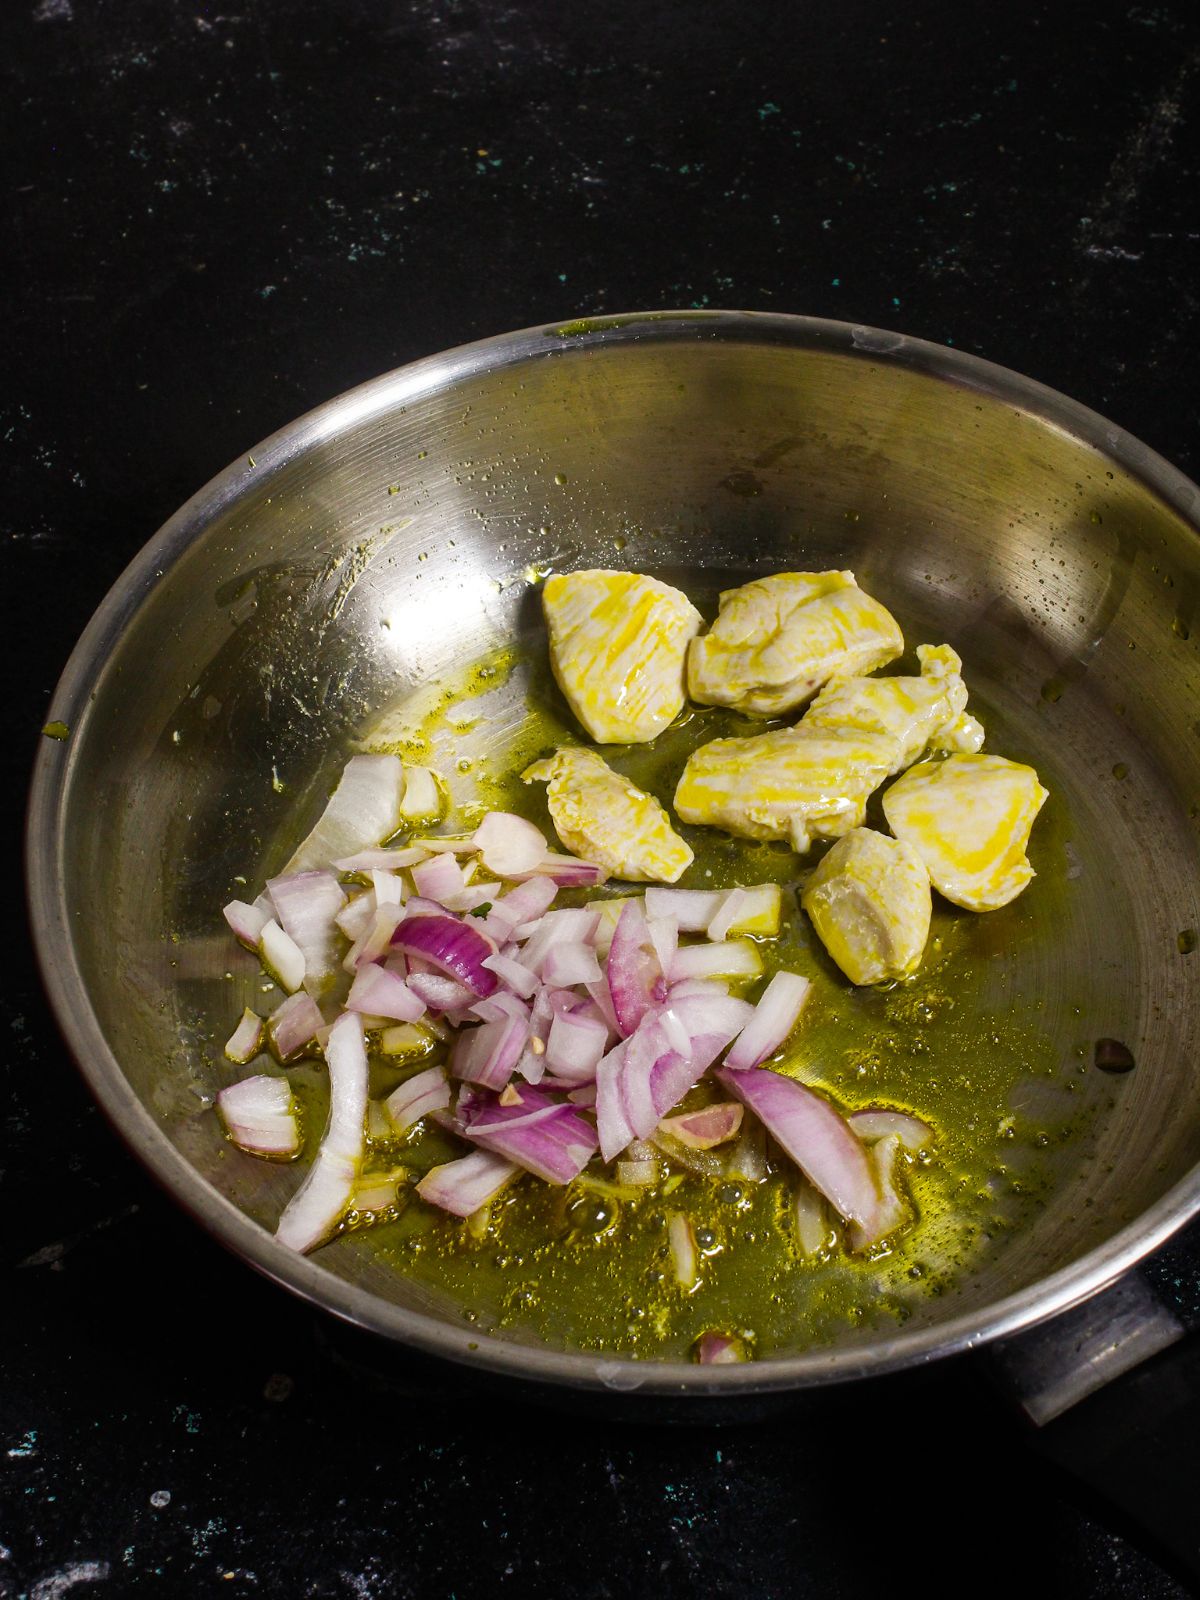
611	1122
715	1349
558	927
664	937
388	887
812	1225
684	1257
731	908
247	922
378	1190
363	810
468	1184
892	1212
438	877
422	795
245	1041
488	1054
357	915
379	993
632	969
601	998
545	1136
416	1097
381	860
439	993
575	1045
871	1124
566	871
522	904
317	1206
462	846
472	897
693	909
815	1136
704	1130
260	1117
508	845
514	973
774	1018
571	962
644	1048
376	939
454	947
294	1024
281	956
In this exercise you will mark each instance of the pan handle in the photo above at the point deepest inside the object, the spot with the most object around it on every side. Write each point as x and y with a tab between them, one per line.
1112	1391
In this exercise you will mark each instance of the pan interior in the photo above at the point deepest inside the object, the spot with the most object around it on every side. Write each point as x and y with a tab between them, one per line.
400	535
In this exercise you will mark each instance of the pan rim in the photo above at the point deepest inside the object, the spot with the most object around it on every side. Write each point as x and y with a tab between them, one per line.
306	1278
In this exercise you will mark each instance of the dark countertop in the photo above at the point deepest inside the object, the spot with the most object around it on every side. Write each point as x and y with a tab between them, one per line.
224	216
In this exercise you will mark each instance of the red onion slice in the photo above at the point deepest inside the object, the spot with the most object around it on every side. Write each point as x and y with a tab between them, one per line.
774	1018
522	904
488	1054
872	1124
363	810
513	973
464	1186
575	1045
693	909
815	1136
892	1211
727	913
381	860
813	1232
705	1129
508	845
454	947
246	921
260	1116
549	1138
632	969
611	1122
734	958
567	871
282	956
317	1206
379	993
245	1041
416	1097
376	939
293	1025
438	877
357	915
715	1349
684	1257
571	962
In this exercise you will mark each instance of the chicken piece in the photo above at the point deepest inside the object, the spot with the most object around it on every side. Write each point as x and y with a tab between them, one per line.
968	818
792	784
603	817
778	639
618	643
870	903
913	712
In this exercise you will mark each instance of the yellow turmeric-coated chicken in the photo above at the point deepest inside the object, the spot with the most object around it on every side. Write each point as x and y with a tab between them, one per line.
869	901
969	818
618	644
603	817
915	713
814	780
777	640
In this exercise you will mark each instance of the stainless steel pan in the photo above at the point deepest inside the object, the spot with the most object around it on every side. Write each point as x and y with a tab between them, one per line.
384	537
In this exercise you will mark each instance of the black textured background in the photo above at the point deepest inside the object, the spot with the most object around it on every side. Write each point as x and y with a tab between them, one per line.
219	217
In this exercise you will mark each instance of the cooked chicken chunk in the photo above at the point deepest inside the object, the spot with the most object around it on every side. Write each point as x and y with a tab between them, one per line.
969	818
814	780
778	639
618	643
790	784
869	901
913	712
603	817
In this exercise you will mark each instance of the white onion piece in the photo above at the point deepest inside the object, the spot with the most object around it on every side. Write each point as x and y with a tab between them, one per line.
294	1024
389	888
734	958
363	810
422	796
727	913
469	1184
416	1097
664	936
473	897
437	877
813	1232
693	909
574	926
575	1045
674	1031
684	1258
306	904
514	973
381	860
260	1117
281	956
508	845
570	962
440	993
318	1204
356	915
870	1125
378	993
748	1158
245	1041
611	1122
705	1129
882	1157
817	1138
774	1018
247	922
527	901
376	939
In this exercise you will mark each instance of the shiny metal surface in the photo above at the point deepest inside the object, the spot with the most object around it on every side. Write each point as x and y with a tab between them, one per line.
384	537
